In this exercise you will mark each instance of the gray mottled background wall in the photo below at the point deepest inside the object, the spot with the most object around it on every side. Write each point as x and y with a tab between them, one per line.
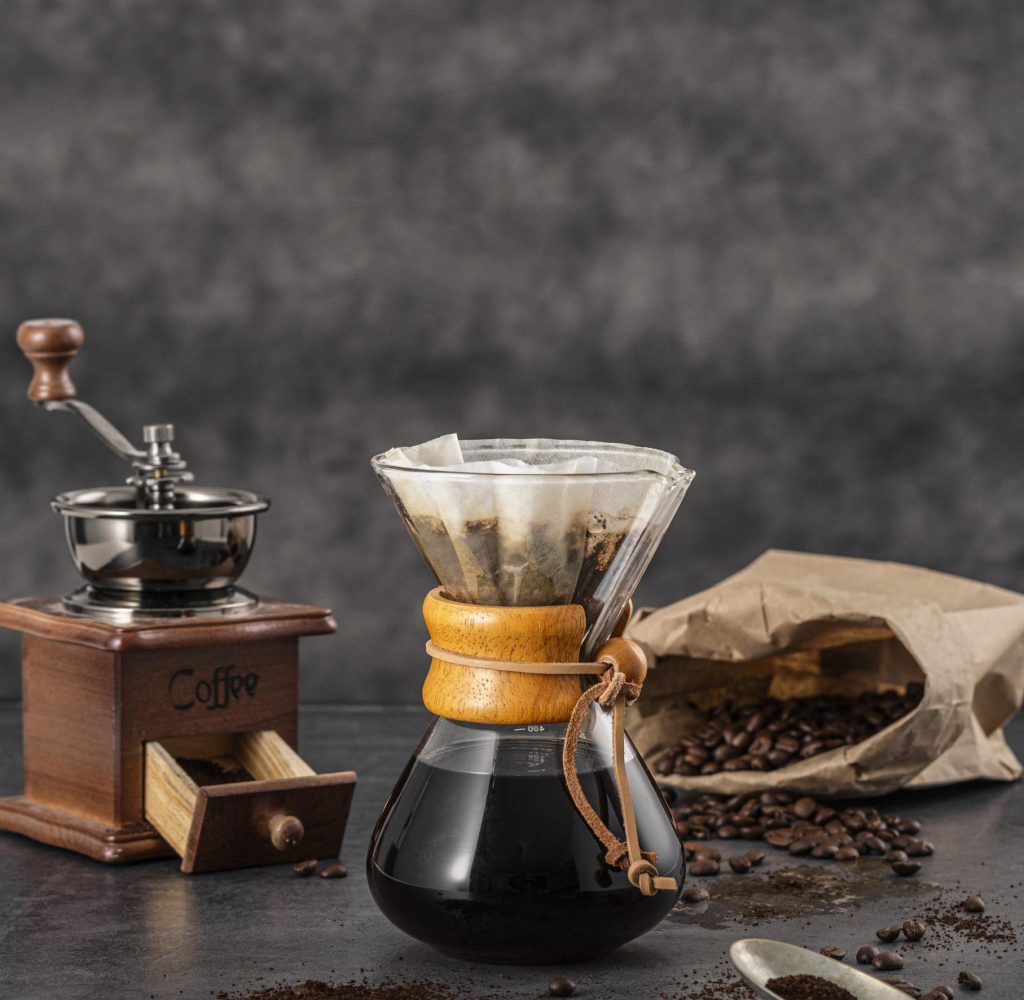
783	240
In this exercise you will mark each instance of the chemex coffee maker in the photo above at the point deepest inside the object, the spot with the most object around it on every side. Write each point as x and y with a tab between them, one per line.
526	828
160	699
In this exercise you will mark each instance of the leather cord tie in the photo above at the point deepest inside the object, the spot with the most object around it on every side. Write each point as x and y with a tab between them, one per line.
614	692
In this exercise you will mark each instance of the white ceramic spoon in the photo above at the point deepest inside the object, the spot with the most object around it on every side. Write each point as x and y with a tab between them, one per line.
759	960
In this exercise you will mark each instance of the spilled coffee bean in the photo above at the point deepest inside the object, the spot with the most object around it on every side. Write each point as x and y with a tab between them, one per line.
695	894
740	864
903	985
703	866
913	930
905	868
866	954
304	868
334	870
888	934
974	904
831	951
560	986
969	981
888	961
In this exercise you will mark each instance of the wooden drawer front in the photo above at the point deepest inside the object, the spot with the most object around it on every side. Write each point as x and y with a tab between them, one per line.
288	813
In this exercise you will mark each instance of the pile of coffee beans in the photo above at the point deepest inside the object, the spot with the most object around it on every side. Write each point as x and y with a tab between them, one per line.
806	987
772	733
801	825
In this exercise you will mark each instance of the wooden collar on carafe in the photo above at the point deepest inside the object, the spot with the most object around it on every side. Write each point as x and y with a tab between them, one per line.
530	635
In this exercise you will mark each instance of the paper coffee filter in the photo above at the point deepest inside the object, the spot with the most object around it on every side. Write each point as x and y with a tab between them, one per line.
532	522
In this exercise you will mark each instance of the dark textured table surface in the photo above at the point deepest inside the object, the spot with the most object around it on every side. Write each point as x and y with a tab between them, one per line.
71	928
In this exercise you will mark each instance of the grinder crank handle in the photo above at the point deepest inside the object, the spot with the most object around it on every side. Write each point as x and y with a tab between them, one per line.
51	345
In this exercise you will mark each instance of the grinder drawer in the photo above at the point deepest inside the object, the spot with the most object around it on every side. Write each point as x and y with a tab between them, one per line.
243	799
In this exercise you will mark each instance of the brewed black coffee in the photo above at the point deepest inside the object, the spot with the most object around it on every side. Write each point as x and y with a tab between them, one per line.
482	854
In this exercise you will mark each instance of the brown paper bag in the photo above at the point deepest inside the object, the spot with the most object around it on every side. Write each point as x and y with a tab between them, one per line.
794	624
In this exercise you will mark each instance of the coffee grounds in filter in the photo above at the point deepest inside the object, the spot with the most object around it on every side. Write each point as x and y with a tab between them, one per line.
478	565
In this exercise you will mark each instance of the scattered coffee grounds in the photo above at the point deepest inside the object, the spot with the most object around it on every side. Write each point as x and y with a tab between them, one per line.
772	733
211	772
387	989
561	987
866	954
887	961
888	934
799	824
805	987
304	868
831	951
913	930
334	870
949	926
974	904
969	981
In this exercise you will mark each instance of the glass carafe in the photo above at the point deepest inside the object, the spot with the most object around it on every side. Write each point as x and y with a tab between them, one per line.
480	850
481	853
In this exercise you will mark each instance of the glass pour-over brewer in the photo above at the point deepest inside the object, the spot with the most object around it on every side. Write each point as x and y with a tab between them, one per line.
526	829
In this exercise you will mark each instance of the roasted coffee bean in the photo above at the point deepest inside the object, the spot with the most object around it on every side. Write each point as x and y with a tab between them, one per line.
974	904
334	870
913	930
561	987
848	853
824	851
903	985
755	856
801	847
969	981
728	832
888	934
910	826
804	808
695	894
897	856
780	837
753	832
866	954
905	868
704	866
888	961
739	864
831	951
304	868
873	845
940	992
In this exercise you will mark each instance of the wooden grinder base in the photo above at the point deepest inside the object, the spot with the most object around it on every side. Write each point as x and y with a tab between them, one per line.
95	694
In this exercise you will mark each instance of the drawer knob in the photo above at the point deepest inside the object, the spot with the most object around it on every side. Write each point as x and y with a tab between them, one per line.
286	831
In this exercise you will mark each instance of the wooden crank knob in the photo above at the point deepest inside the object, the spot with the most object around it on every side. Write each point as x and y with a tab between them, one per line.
627	656
50	344
286	832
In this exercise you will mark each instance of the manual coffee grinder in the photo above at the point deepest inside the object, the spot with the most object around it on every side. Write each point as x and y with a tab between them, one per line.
160	699
526	829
